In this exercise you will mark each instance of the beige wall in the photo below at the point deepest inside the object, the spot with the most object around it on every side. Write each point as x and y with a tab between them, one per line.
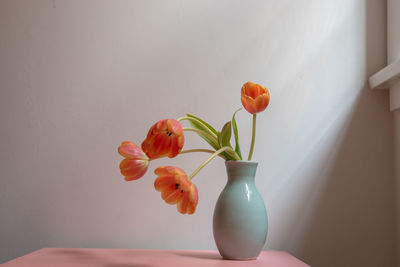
393	54
79	77
397	174
393	22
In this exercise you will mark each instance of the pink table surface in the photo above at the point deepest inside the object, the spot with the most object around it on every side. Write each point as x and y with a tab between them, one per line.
88	257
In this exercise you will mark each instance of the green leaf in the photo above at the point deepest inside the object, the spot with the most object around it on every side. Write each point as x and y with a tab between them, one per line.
212	143
218	135
236	134
199	124
225	137
203	122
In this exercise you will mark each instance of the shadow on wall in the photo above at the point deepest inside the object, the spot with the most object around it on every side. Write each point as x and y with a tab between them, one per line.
358	195
356	199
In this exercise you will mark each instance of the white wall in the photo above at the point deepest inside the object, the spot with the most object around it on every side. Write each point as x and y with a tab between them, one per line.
79	77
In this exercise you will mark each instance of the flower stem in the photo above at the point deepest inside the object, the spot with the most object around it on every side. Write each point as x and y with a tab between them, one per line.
197	150
193	150
253	137
225	148
200	150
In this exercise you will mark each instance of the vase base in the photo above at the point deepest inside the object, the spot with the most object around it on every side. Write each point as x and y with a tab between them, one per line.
239	259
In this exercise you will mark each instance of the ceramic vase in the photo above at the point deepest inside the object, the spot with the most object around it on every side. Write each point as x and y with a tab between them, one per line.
240	222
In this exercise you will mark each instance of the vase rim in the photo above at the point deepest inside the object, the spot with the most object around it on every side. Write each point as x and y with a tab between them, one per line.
240	162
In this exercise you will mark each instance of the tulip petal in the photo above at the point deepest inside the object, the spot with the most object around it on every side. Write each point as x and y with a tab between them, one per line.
161	183
248	104
261	103
168	190
133	169
130	150
193	194
182	205
191	208
174	197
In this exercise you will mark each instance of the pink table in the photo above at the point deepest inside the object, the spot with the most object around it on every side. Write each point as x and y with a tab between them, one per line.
88	257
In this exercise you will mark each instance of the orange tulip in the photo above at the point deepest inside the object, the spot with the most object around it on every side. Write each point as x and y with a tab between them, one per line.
165	138
254	97
176	188
135	163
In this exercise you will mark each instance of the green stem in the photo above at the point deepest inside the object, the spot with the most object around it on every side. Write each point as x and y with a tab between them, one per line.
253	137
225	148
200	150
194	150
197	150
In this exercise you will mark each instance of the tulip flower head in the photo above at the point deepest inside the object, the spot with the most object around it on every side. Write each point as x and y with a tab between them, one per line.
165	138
176	188
254	97
135	163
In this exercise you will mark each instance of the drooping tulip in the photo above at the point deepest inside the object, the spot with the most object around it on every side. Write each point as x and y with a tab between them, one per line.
176	188
165	138
135	163
254	97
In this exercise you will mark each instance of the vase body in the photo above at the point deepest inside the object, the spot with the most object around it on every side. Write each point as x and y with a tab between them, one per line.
240	222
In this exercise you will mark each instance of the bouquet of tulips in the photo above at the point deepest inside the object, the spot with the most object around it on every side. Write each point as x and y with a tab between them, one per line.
166	139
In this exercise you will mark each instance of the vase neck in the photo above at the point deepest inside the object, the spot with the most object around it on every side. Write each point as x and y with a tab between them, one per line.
241	170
